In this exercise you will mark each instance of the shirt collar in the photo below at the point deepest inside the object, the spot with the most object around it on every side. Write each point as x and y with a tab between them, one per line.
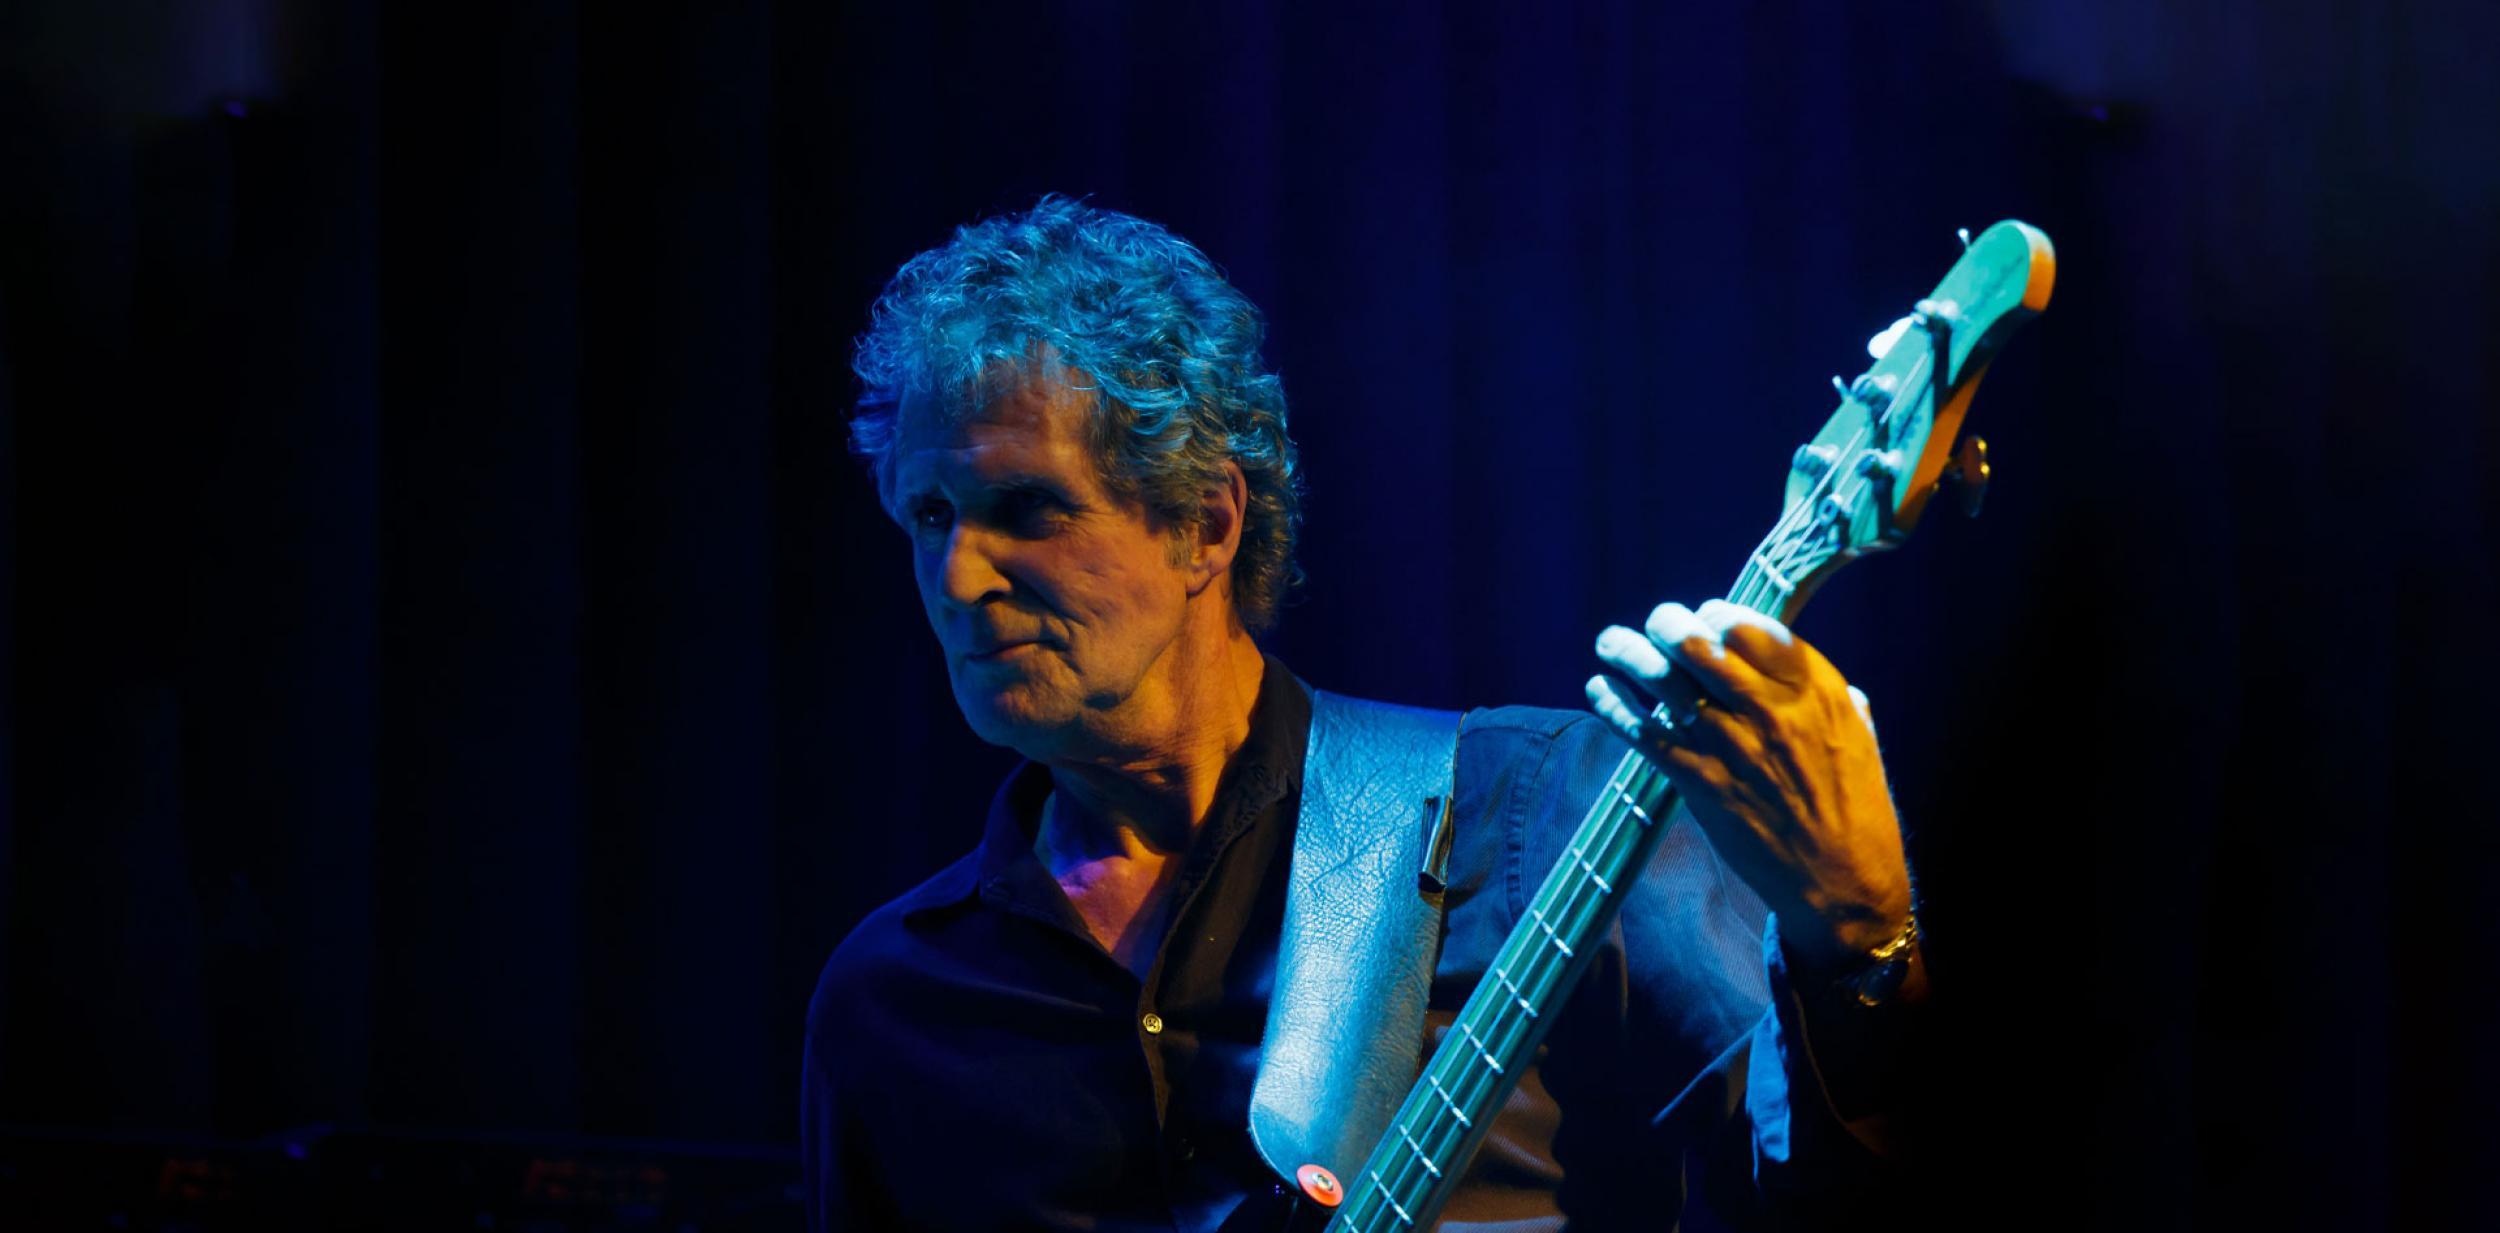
1267	767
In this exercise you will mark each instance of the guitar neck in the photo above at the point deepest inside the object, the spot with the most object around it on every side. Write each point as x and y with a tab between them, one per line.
1859	486
1416	1166
1436	1132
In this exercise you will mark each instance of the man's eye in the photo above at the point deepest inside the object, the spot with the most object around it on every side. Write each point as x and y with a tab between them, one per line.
1026	510
931	516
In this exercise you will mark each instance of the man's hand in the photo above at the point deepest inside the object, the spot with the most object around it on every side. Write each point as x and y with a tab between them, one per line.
1775	756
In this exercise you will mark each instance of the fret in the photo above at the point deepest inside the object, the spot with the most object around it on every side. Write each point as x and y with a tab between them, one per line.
1556	938
1481	1051
1386	1197
1772	572
1743	582
1768	583
1530	970
1447	1100
1617	833
2002	280
1604	887
1422	1157
1516	993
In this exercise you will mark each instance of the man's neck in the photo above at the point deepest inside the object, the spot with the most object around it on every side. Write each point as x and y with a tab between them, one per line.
1152	797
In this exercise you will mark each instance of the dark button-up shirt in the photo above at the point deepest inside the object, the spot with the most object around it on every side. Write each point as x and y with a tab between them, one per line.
976	1060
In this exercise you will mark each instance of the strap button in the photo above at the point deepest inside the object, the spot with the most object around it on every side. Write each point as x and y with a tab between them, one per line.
1153	1023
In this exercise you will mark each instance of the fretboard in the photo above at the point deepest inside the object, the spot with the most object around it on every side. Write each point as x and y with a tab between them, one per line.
1856	488
1470	1076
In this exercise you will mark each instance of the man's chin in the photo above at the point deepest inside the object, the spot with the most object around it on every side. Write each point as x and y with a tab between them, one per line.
1014	719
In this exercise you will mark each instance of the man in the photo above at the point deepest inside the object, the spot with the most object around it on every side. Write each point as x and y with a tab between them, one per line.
1067	414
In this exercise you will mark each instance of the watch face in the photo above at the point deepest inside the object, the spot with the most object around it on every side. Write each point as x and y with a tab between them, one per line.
1877	984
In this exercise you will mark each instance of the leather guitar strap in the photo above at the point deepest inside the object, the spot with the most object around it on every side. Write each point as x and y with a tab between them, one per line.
1362	931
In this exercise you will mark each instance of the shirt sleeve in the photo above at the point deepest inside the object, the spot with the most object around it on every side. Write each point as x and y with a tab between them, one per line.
821	1148
1760	1137
841	1180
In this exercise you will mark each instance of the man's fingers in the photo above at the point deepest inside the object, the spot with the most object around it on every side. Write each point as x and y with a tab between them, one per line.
1640	660
1694	646
1633	656
1630	721
1761	641
1700	748
1692	745
1866	710
1723	616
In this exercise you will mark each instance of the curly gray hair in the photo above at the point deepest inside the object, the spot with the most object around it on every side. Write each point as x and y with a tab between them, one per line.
1169	348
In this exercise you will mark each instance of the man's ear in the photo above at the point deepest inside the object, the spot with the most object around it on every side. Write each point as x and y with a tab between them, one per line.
1217	537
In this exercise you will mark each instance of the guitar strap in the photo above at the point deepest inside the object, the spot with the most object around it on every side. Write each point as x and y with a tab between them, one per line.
1362	930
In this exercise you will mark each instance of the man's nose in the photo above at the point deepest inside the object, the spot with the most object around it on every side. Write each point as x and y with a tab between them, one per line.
967	567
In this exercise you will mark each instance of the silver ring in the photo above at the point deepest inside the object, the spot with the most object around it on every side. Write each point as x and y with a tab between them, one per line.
1673	724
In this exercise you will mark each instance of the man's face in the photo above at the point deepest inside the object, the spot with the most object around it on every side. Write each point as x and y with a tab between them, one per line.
1053	600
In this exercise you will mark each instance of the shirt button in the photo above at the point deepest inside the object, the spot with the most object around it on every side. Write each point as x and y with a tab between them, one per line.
1153	1024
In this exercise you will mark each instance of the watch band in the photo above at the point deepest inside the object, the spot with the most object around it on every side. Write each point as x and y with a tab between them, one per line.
1887	967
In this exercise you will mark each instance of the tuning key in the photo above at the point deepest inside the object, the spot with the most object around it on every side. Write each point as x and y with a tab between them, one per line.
1964	233
1967	471
1875	390
1881	344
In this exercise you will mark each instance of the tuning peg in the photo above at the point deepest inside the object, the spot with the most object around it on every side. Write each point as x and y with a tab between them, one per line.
1881	345
1964	233
1875	390
1814	461
1967	471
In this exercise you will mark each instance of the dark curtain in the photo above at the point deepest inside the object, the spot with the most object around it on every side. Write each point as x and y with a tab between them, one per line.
456	678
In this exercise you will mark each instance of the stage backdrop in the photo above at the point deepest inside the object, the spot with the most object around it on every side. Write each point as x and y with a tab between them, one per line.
457	679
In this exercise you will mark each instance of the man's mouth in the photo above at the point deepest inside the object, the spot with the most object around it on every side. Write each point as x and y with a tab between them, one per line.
1001	650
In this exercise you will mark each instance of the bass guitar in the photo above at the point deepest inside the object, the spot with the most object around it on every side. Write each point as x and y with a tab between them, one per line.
1859	486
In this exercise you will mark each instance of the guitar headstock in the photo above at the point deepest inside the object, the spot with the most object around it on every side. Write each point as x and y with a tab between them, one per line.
1862	483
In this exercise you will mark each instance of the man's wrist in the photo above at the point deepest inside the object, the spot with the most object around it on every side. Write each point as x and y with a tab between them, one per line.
1883	972
1876	963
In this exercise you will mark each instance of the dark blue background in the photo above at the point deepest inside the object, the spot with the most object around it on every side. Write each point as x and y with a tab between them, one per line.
455	677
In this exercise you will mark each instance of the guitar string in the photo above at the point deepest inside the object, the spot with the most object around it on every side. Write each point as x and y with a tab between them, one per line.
1571	911
1537	967
1603	843
1796	529
1782	534
1801	514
